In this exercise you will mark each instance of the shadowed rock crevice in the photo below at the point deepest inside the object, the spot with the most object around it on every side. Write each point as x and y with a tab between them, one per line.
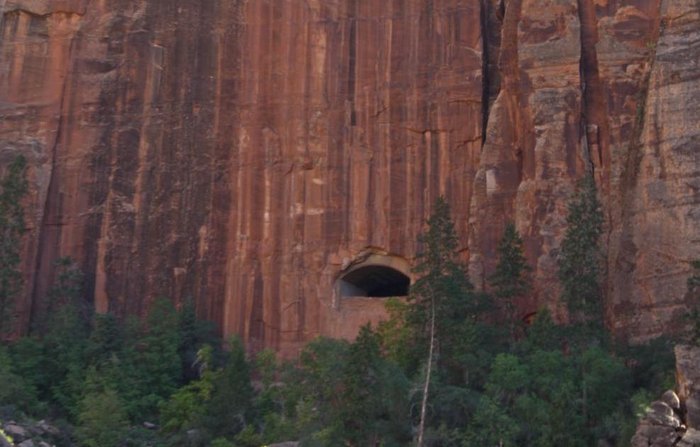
594	119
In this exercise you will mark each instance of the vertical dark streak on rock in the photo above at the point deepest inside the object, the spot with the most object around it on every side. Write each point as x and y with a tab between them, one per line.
634	153
352	55
485	67
627	249
230	159
256	330
299	237
593	98
593	113
583	61
48	233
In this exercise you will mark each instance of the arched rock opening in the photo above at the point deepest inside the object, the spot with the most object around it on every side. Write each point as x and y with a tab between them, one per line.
377	281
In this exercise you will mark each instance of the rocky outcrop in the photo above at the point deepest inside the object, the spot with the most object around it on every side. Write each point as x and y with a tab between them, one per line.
662	425
688	381
674	420
31	434
244	154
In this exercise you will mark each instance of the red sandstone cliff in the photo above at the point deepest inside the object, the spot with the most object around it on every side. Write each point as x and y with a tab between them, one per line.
243	153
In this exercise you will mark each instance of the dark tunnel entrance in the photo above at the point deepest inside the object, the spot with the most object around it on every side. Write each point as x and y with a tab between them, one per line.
374	281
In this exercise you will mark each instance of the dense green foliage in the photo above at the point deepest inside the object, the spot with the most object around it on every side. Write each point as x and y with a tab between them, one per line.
580	258
694	280
491	385
102	419
443	290
13	187
693	298
510	280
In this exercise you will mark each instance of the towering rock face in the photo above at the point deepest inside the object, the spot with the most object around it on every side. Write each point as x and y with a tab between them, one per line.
655	213
244	154
610	89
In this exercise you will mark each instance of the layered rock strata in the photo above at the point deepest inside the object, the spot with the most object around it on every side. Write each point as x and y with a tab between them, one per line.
243	154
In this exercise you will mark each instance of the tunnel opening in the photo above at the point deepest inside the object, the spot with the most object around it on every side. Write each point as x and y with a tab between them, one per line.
375	281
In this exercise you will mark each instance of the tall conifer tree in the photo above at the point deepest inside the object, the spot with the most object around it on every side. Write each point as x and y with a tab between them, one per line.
442	301
580	259
13	187
511	279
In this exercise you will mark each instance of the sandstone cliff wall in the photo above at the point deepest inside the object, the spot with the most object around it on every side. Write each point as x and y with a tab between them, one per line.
243	153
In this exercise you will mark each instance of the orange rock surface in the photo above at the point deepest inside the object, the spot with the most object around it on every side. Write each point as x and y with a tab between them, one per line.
244	153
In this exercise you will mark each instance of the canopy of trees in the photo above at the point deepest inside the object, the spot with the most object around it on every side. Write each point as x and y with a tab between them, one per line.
452	366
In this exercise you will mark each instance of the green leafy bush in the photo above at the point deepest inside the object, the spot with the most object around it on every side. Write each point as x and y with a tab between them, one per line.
102	421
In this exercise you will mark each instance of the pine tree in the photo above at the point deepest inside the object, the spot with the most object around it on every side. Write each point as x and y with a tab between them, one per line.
65	296
694	282
153	363
443	289
102	421
580	258
106	339
230	407
16	390
67	331
443	304
361	412
693	297
374	410
187	407
13	187
193	334
510	280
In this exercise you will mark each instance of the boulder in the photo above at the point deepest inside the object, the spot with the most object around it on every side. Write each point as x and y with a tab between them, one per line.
4	442
47	428
674	420
671	399
691	438
661	414
649	434
17	432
